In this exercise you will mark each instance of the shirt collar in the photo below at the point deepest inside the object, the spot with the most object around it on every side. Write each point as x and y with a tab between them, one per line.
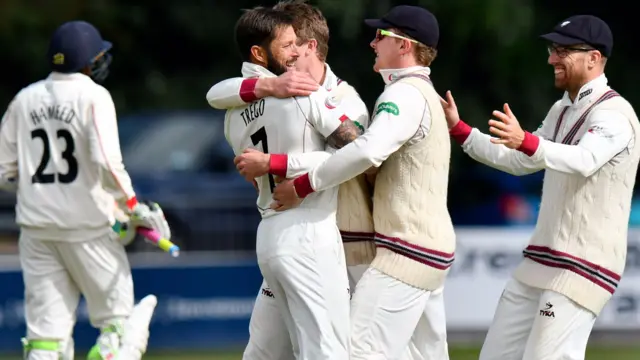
71	76
253	70
391	75
330	79
588	92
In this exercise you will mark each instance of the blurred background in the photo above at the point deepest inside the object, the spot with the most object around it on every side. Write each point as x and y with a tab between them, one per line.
166	56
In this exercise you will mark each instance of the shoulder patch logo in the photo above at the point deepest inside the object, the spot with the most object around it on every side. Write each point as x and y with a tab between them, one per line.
331	102
389	107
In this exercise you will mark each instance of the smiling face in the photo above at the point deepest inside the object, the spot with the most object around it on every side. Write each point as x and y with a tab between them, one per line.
282	53
572	65
387	49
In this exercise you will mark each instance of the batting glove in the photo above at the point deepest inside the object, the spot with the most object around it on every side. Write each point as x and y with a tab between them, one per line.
150	215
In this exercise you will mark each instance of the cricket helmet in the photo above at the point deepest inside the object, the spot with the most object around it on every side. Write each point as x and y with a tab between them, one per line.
76	45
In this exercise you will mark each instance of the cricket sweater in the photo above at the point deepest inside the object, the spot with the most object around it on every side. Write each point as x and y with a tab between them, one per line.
409	141
354	216
590	154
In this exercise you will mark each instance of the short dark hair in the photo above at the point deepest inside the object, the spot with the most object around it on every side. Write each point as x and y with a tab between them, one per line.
309	23
258	26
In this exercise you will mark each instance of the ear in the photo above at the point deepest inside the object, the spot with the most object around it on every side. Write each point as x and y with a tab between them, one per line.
259	54
405	46
312	46
595	58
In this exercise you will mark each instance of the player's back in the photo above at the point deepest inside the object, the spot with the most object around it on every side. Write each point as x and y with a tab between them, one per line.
59	188
281	126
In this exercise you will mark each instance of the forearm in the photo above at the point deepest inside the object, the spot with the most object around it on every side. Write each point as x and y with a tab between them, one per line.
113	175
116	181
568	159
293	165
344	165
233	92
479	147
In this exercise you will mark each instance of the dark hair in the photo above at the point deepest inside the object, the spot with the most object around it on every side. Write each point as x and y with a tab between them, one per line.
309	23
258	26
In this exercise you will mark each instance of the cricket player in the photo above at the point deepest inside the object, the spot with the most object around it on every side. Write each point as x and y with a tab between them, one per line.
398	302
587	145
354	204
59	150
298	251
269	338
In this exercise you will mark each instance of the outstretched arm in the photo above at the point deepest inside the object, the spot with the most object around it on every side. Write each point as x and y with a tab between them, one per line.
396	120
480	147
609	133
240	91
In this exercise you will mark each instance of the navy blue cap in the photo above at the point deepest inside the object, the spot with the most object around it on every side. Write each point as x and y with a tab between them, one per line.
583	29
413	21
75	45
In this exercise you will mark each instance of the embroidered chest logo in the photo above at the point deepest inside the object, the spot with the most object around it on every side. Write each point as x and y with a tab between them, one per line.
584	93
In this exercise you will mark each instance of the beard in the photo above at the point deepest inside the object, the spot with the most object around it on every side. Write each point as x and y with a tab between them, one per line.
274	65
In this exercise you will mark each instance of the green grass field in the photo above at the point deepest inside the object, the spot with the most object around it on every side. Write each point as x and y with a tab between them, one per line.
457	353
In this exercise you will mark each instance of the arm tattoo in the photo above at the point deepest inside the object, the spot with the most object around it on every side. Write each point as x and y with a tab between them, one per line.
344	134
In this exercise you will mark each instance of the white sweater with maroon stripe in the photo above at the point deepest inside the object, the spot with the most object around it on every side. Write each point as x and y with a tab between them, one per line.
579	245
414	233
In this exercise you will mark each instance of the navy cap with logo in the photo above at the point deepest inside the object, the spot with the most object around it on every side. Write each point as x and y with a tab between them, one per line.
74	46
413	21
583	29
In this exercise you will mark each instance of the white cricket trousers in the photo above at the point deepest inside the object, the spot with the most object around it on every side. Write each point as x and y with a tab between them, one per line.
535	324
268	335
301	257
55	273
392	320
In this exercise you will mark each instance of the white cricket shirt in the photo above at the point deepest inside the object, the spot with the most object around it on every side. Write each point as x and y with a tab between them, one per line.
60	136
292	125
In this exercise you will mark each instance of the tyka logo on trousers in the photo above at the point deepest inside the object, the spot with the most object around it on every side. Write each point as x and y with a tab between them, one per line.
547	312
267	292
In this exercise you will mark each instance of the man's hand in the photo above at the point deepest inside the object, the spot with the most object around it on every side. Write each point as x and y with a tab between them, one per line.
285	196
291	83
450	110
507	129
252	163
149	215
